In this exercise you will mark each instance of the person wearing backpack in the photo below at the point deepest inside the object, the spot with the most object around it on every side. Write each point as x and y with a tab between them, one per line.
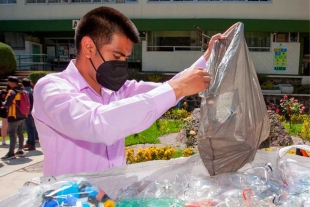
16	116
4	115
29	122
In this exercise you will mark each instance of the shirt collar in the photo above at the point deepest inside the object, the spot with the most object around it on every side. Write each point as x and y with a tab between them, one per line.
75	77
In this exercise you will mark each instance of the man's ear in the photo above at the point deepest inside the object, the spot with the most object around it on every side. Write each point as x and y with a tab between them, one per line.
88	47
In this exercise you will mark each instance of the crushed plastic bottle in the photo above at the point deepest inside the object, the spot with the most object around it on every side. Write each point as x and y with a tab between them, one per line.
150	202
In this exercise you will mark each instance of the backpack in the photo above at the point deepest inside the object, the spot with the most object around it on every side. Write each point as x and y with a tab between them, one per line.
24	104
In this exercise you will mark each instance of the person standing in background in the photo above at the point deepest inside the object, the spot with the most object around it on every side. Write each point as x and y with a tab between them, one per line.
37	135
29	122
4	115
15	118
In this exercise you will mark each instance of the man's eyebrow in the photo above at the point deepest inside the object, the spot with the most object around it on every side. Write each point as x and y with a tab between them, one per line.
122	54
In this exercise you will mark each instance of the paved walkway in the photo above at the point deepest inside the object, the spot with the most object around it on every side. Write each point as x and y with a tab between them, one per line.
15	173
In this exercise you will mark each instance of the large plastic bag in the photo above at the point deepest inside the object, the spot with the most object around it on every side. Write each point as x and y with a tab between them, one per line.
234	119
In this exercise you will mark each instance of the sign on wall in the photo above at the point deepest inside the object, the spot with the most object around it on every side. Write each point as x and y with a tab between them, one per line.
280	52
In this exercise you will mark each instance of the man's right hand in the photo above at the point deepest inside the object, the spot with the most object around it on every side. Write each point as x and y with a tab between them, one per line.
190	82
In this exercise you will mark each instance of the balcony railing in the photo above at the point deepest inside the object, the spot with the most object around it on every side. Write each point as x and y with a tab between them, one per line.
173	48
195	48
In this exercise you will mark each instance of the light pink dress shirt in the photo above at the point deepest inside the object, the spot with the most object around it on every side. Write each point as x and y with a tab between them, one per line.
82	131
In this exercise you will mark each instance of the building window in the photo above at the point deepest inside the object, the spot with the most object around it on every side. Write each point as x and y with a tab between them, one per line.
36	1
103	1
282	37
7	1
258	41
58	1
209	0
80	1
294	37
286	37
173	41
72	1
192	41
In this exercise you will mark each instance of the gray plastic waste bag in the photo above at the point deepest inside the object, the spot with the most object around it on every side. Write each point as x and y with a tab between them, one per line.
234	119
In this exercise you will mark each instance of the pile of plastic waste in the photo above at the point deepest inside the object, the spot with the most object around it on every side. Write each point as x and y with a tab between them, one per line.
287	184
252	187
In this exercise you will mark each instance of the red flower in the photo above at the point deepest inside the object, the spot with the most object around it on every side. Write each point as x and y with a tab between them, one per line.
277	111
285	97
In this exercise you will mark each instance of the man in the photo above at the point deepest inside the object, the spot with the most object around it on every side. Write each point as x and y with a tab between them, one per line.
15	118
29	122
84	113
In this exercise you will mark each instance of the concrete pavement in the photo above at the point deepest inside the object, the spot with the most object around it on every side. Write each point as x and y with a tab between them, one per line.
15	173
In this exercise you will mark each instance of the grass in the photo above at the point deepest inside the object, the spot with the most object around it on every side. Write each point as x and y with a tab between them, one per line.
151	135
294	130
177	154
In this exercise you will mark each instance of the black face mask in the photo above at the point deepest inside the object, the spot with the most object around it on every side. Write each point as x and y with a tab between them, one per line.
112	74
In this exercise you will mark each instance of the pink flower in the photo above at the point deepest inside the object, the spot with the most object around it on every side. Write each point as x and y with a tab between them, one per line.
292	99
285	97
296	101
281	100
303	108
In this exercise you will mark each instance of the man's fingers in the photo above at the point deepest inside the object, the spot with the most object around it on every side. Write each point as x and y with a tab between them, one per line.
207	79
204	73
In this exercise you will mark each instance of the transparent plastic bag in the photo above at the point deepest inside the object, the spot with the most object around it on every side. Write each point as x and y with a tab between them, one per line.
150	202
233	115
294	174
75	192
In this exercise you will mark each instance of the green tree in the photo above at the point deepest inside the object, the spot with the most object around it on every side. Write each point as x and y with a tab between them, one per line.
7	60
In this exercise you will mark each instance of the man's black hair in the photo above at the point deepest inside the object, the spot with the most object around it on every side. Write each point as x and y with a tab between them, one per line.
101	24
26	82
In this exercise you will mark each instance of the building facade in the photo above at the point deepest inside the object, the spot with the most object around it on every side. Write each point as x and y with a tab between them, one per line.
276	31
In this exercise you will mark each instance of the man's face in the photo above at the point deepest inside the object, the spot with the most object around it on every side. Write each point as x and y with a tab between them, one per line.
119	49
11	84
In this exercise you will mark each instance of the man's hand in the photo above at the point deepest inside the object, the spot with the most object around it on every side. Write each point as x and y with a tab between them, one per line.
190	82
194	80
216	37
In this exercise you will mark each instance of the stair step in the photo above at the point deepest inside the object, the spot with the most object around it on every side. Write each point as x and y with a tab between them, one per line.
20	74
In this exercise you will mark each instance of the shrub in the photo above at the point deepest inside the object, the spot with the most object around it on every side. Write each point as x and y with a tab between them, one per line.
189	127
305	132
301	89
150	153
156	153
154	77
35	76
136	75
262	78
175	113
267	85
7	60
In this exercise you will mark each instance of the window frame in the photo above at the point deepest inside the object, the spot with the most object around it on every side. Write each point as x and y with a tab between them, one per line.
7	3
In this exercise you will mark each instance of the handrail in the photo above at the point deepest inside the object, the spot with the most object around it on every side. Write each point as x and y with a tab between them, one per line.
174	48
